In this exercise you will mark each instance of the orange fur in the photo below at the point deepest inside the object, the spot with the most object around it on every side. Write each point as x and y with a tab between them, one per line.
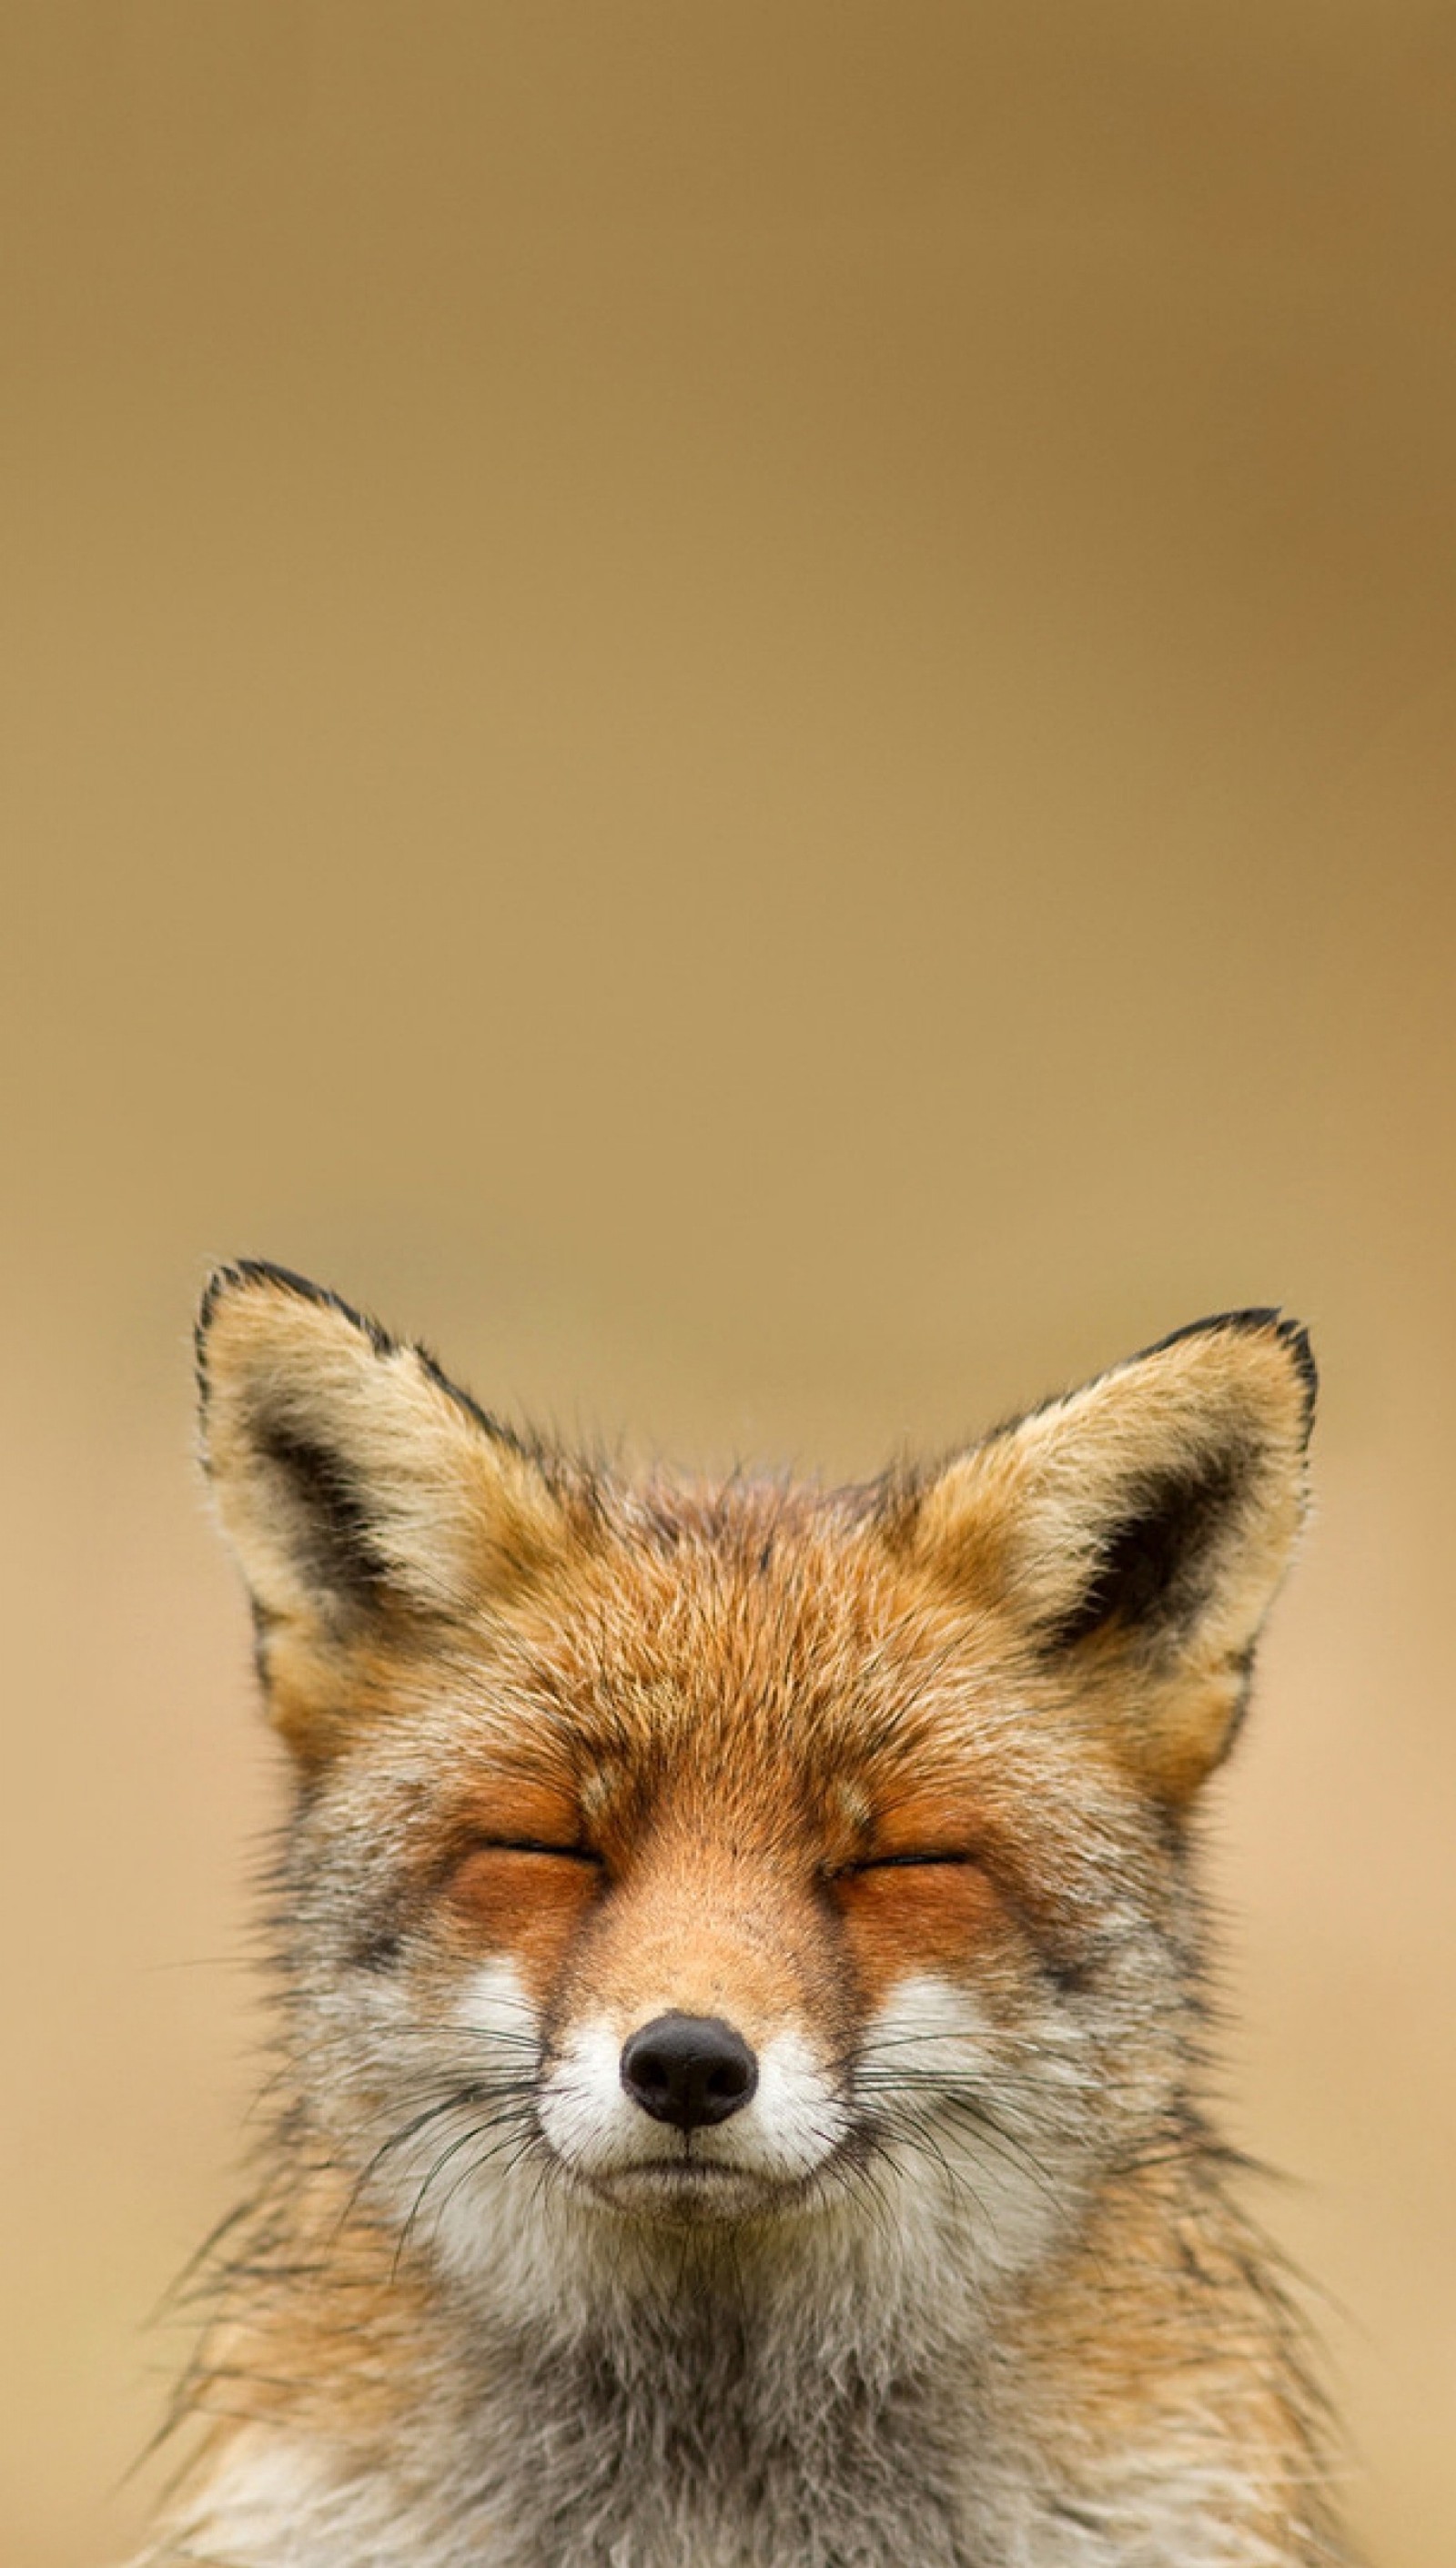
883	1792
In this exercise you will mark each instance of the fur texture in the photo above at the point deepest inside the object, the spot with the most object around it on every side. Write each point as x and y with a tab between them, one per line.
898	1781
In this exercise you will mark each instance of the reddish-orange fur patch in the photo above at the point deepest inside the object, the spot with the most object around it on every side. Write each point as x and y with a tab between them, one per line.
528	1905
902	1919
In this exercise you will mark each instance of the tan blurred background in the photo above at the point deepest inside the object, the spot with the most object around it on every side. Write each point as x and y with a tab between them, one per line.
755	712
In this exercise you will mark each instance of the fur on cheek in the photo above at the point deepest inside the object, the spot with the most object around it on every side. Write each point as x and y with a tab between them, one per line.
526	1907
903	1920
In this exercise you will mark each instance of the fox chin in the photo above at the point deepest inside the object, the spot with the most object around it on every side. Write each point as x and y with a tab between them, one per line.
742	2042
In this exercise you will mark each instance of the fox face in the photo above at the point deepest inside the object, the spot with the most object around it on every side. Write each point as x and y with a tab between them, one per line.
759	1876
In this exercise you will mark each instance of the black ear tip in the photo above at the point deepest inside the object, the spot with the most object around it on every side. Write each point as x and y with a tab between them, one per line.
1297	1338
241	1274
223	1281
261	1275
1260	1320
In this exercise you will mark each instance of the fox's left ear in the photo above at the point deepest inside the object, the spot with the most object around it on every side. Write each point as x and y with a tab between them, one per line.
365	1496
1137	1529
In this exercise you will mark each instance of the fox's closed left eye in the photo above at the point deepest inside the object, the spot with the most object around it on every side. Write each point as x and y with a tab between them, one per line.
521	1895
535	1846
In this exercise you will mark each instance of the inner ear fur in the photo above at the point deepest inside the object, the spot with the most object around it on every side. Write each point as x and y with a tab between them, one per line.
1136	1531
358	1488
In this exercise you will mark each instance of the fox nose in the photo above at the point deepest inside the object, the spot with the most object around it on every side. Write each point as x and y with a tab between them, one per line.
689	2070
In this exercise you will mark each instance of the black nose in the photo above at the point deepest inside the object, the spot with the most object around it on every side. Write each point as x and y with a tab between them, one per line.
689	2070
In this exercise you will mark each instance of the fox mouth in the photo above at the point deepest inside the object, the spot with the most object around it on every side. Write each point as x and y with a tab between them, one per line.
690	2189
755	2147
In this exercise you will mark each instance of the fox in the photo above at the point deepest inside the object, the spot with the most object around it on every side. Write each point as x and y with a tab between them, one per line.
742	2016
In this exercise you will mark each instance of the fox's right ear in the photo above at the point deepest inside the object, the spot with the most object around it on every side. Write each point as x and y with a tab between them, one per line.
1135	1533
361	1494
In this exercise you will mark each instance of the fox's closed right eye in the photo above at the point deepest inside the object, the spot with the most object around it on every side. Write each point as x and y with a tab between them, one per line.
905	1862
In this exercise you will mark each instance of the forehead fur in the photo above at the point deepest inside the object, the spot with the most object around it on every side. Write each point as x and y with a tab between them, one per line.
766	1602
753	1649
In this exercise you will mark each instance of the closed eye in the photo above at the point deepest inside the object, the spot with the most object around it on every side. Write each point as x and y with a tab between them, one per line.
903	1862
535	1846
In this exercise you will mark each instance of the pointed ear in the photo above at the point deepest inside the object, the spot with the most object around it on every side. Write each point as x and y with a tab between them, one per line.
1136	1531
360	1491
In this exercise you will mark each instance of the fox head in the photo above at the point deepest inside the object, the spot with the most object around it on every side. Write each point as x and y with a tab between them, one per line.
688	1871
